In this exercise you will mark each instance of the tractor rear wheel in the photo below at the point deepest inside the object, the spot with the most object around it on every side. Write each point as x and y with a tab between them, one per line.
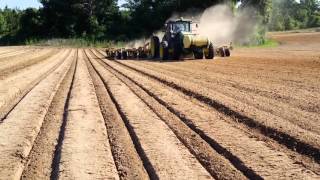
155	47
210	54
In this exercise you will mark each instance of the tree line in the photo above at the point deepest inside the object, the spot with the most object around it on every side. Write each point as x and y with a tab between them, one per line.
104	20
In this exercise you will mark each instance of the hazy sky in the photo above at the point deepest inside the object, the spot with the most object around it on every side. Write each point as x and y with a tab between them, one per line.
120	2
23	4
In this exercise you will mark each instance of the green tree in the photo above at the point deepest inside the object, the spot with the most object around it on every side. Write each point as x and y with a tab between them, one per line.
79	17
3	25
12	20
31	23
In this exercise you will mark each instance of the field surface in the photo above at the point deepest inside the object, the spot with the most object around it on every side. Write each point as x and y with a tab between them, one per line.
72	114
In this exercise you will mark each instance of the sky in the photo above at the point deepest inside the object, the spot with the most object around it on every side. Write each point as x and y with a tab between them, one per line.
120	2
23	4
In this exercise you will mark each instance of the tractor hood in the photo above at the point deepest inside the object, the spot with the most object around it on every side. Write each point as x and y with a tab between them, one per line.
194	40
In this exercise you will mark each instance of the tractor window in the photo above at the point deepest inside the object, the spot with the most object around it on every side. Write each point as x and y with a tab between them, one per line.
181	26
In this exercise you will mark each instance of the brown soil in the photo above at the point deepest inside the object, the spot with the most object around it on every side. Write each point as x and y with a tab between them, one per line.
70	114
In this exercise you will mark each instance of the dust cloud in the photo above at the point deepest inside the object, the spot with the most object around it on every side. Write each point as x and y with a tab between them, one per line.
136	43
222	26
219	23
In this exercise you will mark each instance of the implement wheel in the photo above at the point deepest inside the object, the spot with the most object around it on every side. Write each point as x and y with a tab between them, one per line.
118	55
155	47
222	52
210	54
124	55
227	52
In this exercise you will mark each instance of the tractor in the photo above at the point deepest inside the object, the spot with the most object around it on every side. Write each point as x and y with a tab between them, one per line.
180	40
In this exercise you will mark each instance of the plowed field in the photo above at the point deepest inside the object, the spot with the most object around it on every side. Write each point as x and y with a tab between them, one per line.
73	114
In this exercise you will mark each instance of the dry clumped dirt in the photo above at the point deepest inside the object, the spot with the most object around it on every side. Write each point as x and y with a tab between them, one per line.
73	114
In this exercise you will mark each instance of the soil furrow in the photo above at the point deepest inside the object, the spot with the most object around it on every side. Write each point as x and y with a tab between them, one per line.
218	167
40	160
85	151
304	119
24	63
21	127
306	146
166	153
14	54
31	53
8	51
264	160
308	162
128	162
305	89
16	88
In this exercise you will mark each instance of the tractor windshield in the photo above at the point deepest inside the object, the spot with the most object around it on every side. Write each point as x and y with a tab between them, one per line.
181	26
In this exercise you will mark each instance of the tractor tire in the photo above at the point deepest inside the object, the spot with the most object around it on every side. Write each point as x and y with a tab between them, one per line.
118	55
198	55
164	53
178	47
227	52
222	52
177	53
155	47
135	55
124	55
210	54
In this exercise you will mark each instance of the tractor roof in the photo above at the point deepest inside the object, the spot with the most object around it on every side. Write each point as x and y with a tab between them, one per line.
179	20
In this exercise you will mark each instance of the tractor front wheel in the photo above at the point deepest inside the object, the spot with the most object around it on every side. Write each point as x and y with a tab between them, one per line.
178	46
177	51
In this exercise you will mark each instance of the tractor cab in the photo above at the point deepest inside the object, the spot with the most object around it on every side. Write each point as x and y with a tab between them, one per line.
177	26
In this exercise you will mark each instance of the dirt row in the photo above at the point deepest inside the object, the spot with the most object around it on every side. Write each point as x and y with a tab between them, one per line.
72	114
23	62
14	87
8	55
75	132
255	96
163	154
273	126
301	125
21	126
186	110
42	162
